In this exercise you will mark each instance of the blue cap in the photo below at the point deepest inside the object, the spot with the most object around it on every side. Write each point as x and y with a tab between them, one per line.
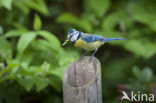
71	31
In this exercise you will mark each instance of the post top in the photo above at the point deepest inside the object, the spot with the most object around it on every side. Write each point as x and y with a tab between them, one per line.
81	72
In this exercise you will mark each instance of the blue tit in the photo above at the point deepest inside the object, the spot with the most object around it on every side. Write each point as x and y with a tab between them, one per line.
86	41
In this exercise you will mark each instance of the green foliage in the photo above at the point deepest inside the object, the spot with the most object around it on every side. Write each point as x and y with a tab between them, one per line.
71	19
145	15
25	40
6	3
32	60
38	5
145	50
98	6
27	82
37	22
143	76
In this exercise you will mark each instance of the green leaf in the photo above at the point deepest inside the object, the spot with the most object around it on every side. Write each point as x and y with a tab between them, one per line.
137	73
85	25
99	6
72	19
7	4
25	40
41	83
110	22
19	26
136	47
143	11
22	7
67	18
27	82
38	5
37	22
147	74
53	41
146	49
150	49
1	30
143	76
3	71
14	33
5	49
55	82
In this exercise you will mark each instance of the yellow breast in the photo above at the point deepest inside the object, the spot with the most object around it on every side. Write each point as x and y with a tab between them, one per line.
87	46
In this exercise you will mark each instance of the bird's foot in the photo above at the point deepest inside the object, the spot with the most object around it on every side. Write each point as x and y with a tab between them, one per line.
91	58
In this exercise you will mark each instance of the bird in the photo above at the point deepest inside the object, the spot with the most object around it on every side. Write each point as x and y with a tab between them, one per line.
87	42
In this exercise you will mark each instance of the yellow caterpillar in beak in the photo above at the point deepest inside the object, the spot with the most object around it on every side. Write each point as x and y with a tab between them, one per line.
65	42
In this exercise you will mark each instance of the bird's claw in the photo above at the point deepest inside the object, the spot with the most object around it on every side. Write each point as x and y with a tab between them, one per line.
91	58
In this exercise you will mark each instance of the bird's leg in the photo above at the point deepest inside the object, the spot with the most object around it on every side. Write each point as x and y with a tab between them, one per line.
93	54
83	53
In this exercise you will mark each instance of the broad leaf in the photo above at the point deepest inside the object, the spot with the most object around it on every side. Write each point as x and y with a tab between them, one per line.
99	6
41	82
7	4
38	5
72	19
25	40
37	22
53	41
14	33
5	49
27	82
147	74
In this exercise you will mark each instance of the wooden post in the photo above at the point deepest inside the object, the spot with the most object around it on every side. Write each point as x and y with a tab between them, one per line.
82	82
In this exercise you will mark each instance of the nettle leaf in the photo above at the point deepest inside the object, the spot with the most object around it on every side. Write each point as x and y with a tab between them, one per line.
143	11
38	5
85	25
136	47
27	82
99	6
69	56
13	65
55	82
5	49
14	33
110	22
42	45
150	49
27	57
22	7
146	49
67	18
7	4
41	82
25	40
72	19
3	71
37	22
53	41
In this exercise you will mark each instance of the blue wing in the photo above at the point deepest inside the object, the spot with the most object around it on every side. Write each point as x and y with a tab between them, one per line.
92	38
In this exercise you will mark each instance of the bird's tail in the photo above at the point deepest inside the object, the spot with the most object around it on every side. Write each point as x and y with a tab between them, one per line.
110	39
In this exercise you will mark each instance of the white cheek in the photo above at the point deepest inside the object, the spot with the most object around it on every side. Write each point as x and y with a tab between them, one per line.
74	38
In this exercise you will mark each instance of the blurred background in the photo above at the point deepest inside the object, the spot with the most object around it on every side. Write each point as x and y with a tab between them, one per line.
32	59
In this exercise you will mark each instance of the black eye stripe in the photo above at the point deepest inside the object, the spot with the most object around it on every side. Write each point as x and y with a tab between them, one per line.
70	36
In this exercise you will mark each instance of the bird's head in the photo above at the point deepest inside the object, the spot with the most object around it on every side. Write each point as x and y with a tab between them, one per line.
73	35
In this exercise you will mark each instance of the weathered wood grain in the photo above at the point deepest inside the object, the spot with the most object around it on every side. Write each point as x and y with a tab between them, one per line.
82	82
